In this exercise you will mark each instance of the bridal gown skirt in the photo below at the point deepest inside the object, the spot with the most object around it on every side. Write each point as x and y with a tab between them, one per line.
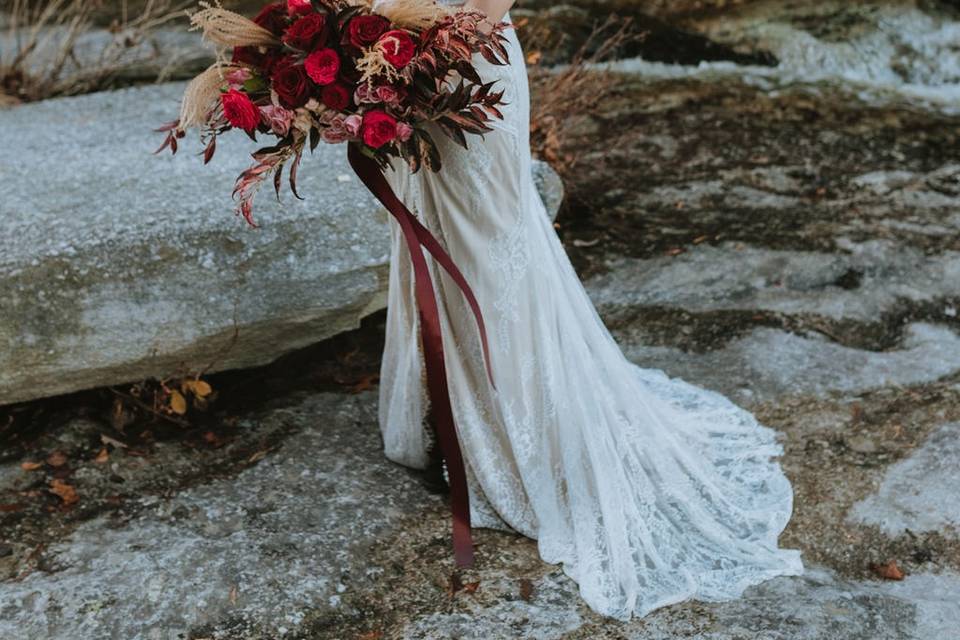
648	490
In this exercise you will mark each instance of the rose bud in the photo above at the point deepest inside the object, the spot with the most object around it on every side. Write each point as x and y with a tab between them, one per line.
322	66
290	83
378	128
336	96
363	31
299	7
352	124
398	48
240	110
307	33
404	131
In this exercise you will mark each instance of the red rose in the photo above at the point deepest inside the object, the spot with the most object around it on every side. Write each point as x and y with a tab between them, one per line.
273	18
336	96
398	48
290	82
240	110
299	7
322	66
364	30
309	32
378	128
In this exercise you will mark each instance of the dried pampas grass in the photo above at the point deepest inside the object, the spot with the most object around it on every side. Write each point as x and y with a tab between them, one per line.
229	29
201	96
412	14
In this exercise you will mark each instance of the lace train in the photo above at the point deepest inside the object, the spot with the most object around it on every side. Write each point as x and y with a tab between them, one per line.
648	490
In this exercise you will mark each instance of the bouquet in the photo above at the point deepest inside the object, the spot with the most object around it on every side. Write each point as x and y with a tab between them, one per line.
369	72
379	75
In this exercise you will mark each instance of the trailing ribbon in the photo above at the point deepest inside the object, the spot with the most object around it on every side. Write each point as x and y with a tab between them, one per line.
418	238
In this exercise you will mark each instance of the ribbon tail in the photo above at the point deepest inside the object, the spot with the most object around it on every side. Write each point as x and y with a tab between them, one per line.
444	260
369	172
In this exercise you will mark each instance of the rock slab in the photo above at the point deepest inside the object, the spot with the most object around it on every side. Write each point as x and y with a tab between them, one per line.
117	265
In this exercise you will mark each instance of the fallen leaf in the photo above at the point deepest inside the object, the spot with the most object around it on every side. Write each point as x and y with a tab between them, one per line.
700	239
526	589
889	571
10	508
366	383
586	243
66	491
534	57
178	404
199	388
372	635
30	466
259	455
675	251
105	439
233	595
103	456
57	459
471	587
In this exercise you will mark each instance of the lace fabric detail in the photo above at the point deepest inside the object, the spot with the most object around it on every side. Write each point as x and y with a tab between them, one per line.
646	489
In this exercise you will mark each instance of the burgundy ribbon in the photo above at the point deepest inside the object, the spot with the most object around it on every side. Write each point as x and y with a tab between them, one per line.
418	238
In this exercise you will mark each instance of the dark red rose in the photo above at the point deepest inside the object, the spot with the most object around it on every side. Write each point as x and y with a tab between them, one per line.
240	110
398	48
290	82
365	30
336	96
256	59
307	33
348	70
299	7
273	18
322	66
378	128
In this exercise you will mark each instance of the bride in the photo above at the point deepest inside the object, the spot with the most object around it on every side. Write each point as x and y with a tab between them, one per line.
647	490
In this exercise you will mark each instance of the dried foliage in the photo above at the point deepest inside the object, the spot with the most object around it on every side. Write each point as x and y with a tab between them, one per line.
564	97
46	48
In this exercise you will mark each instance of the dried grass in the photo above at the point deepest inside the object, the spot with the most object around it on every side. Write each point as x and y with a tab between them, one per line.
39	45
566	97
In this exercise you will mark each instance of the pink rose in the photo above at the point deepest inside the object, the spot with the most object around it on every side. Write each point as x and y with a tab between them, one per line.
389	95
237	77
404	131
352	125
278	119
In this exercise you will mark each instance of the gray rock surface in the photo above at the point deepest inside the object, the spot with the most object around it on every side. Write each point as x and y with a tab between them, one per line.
259	550
735	276
769	363
116	265
919	493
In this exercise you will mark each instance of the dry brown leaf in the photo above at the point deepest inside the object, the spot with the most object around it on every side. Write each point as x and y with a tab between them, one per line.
178	404
30	466
199	388
366	383
259	455
372	635
526	589
66	491
889	571
57	459
103	456
471	587
675	251
105	439
534	57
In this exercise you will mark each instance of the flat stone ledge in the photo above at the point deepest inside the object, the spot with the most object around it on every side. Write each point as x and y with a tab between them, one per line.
118	265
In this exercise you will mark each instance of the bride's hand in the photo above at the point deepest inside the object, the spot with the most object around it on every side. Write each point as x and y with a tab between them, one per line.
494	10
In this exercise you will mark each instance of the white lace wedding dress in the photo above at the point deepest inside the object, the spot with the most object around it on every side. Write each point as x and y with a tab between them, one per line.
648	490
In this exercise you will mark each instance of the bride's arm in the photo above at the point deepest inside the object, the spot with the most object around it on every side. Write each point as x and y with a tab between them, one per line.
493	9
